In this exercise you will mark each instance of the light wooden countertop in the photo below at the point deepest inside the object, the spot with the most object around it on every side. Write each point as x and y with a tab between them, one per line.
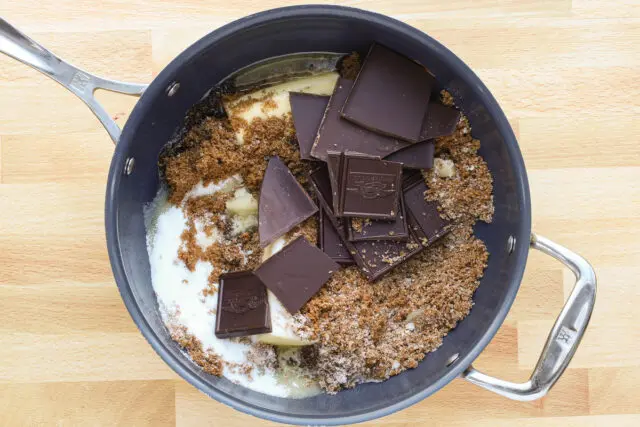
567	75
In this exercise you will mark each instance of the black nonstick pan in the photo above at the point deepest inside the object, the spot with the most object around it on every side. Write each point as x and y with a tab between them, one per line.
134	181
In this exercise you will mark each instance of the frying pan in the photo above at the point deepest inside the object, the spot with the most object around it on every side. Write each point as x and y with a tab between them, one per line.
134	180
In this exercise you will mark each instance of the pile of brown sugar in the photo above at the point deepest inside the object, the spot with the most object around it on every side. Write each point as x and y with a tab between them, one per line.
370	331
364	331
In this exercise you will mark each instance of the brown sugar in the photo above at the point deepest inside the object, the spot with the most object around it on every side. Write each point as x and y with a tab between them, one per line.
350	66
217	155
468	196
364	330
374	340
209	362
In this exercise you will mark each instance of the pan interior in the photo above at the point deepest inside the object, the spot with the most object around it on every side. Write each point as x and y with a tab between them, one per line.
158	116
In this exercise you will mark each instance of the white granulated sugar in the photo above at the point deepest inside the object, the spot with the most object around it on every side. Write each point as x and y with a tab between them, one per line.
179	291
203	239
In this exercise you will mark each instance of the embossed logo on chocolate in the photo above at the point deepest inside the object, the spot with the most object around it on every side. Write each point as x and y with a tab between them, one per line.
241	301
370	185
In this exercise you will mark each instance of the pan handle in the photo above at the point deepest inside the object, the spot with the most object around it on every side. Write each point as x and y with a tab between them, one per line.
565	335
82	84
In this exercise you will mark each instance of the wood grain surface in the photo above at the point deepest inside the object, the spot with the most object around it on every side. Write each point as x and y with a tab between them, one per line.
565	72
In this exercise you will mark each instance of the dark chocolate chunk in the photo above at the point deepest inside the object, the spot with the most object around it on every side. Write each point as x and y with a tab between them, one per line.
336	134
417	156
331	229
424	218
376	229
243	307
369	188
320	180
307	111
390	95
374	257
377	257
283	202
335	161
440	121
296	273
330	242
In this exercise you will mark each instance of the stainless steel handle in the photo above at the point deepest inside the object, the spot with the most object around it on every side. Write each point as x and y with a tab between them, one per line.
565	335
81	83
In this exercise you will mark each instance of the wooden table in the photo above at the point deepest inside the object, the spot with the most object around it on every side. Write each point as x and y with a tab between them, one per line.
567	75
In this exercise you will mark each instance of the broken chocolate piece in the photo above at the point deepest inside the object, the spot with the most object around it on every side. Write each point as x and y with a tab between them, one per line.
296	273
378	257
330	242
390	95
369	188
440	121
424	217
335	161
331	229
336	134
416	156
283	202
319	178
374	229
307	111
243	307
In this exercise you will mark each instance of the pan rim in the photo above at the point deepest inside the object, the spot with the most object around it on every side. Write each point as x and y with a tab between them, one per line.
157	87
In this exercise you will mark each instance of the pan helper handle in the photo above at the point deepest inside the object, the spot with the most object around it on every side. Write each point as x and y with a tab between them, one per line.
565	335
81	83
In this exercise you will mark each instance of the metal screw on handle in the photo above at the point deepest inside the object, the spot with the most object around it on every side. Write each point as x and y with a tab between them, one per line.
565	335
81	83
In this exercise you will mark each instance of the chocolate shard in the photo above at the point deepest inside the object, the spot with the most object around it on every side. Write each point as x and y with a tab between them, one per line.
331	229
369	188
335	160
296	273
374	257
307	111
374	229
320	180
330	242
336	134
283	202
390	95
439	121
417	156
378	257
424	217
243	307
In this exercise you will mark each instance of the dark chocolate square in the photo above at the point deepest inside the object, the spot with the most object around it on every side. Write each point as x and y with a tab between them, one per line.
296	273
390	95
369	188
243	308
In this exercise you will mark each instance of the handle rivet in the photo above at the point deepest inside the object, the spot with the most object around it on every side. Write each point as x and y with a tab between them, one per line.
128	165
452	359
172	89
511	244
